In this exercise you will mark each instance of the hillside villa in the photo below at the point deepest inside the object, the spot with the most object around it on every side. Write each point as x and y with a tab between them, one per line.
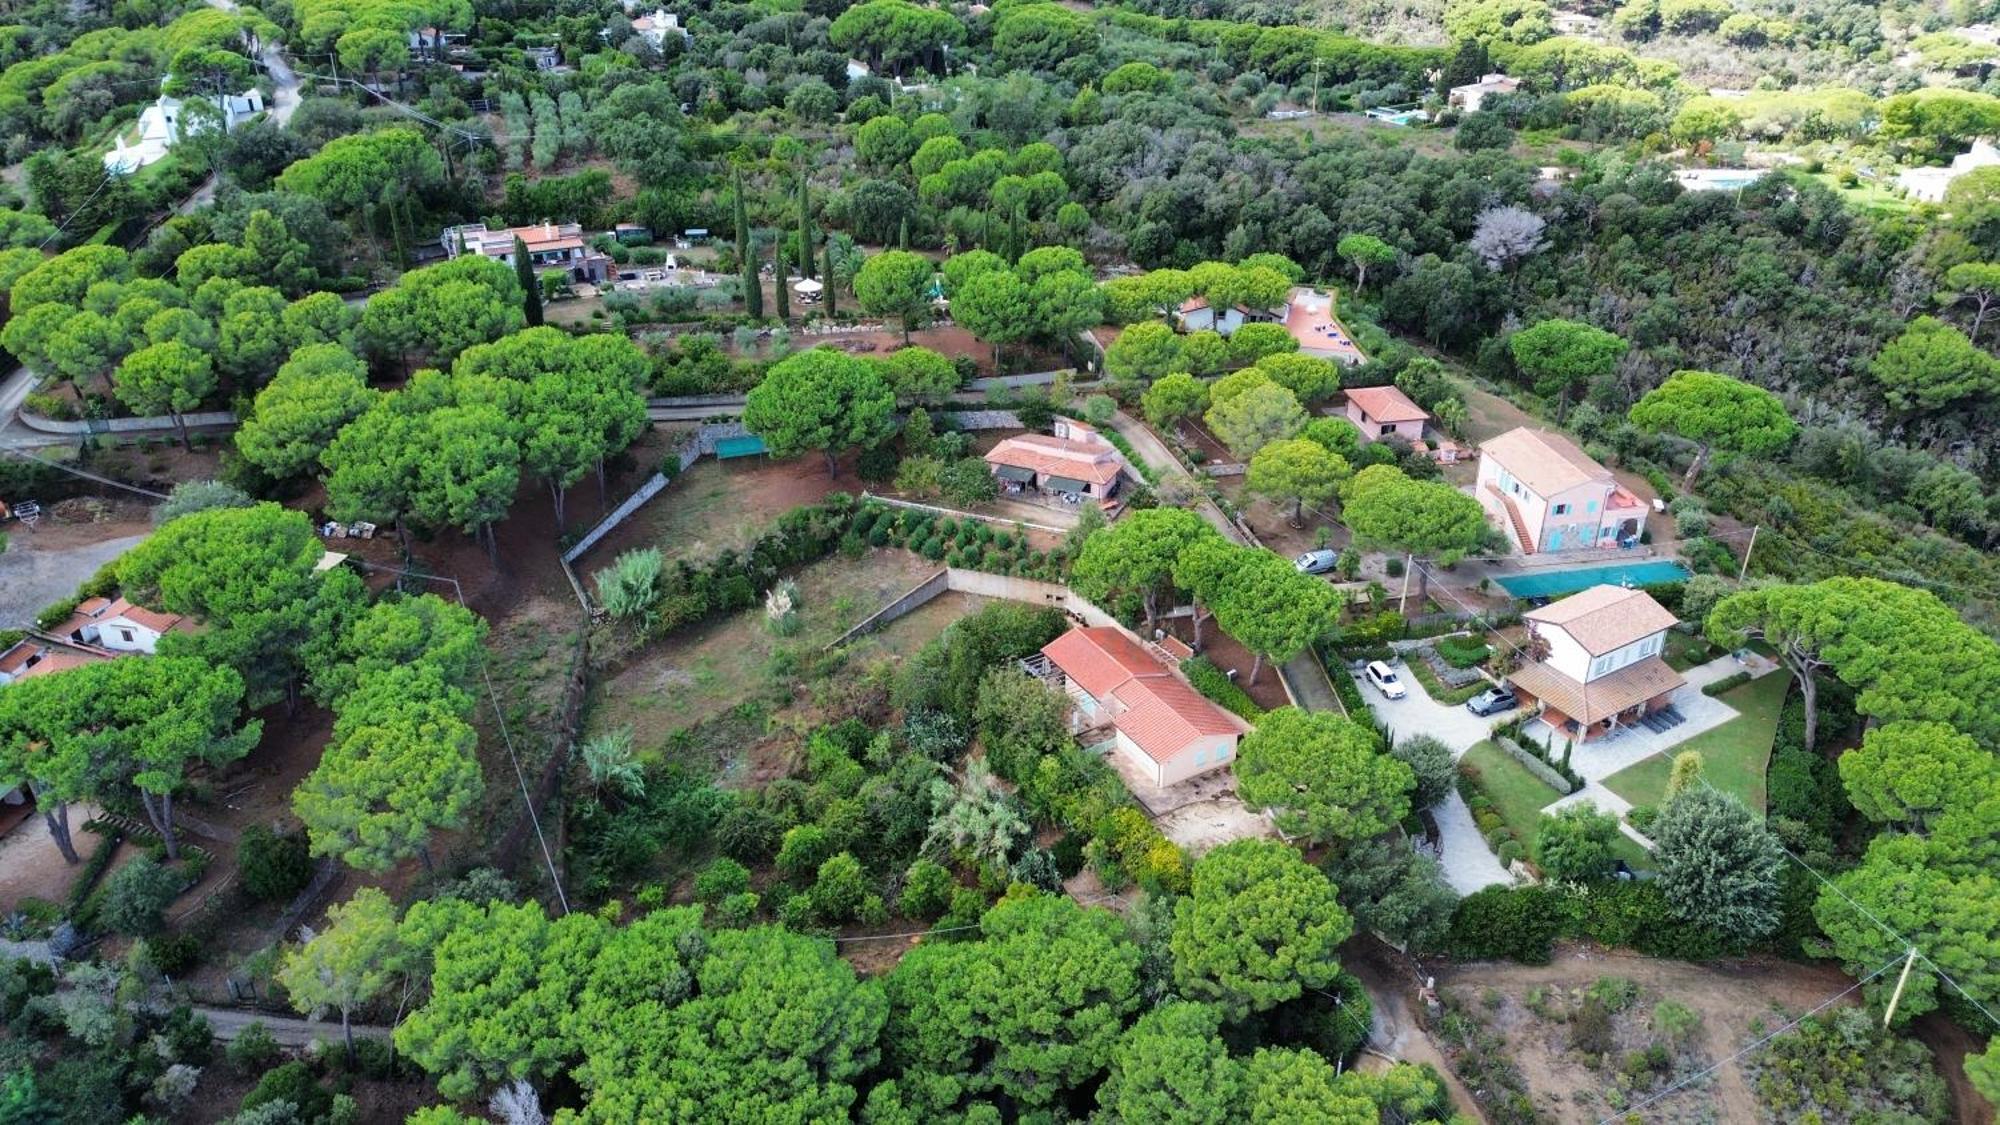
1167	731
1471	97
1548	495
551	246
1073	462
1602	667
162	125
1310	320
1380	412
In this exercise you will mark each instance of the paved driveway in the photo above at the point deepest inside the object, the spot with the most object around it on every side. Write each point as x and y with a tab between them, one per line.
1468	863
32	578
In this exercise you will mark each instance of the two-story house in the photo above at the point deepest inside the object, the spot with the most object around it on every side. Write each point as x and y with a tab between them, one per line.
1548	495
1167	731
1599	663
551	246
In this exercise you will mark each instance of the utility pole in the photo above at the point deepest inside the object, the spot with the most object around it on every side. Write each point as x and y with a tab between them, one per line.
1403	602
1316	63
1909	963
1744	570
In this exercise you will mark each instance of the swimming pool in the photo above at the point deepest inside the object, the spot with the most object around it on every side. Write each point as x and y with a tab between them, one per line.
1555	583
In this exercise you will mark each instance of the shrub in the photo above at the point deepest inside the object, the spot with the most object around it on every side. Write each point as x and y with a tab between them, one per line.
841	886
136	897
927	890
174	954
1463	652
292	1082
1727	683
1394	566
275	865
1515	924
805	847
629	589
1214	683
252	1050
721	879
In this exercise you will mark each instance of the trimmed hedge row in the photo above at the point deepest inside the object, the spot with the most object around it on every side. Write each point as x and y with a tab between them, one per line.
1523	923
969	543
1214	683
1727	683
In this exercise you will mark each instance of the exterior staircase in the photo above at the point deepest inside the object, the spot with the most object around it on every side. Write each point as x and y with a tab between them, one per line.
1514	520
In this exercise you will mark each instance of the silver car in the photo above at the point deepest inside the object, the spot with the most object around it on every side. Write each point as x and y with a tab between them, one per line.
1317	562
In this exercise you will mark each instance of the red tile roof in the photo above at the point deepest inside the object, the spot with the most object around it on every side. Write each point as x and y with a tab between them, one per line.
1194	304
1095	462
1386	404
96	610
1099	658
35	657
1162	714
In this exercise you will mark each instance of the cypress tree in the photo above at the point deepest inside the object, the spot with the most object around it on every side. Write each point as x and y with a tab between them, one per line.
903	235
531	286
781	289
753	293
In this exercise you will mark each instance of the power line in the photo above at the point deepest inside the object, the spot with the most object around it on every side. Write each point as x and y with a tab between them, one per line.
493	697
1754	1046
908	934
60	467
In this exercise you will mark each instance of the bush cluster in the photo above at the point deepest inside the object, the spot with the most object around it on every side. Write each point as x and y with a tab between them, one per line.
1523	923
1214	683
967	543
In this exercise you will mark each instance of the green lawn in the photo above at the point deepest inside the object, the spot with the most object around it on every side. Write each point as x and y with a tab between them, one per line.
1519	796
1685	650
1734	753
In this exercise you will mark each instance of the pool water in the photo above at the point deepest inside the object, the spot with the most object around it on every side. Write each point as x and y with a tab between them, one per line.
1555	583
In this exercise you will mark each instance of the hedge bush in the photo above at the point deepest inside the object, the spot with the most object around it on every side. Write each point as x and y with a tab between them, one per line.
1522	923
1463	652
1727	683
1214	683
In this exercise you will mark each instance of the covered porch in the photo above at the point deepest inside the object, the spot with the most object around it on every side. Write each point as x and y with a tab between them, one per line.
1600	708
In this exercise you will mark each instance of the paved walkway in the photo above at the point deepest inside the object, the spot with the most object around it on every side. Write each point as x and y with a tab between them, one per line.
1469	865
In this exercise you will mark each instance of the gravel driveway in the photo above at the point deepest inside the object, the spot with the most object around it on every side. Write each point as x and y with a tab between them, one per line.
33	578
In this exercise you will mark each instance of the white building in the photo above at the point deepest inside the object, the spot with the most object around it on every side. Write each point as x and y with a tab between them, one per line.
1603	666
1471	96
162	125
1929	184
655	28
118	625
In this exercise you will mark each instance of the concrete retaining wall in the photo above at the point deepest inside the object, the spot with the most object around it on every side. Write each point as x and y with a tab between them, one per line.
954	513
156	424
915	598
977	582
985	420
704	441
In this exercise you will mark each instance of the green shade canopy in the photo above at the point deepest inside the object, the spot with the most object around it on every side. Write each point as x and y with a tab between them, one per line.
1014	472
1064	484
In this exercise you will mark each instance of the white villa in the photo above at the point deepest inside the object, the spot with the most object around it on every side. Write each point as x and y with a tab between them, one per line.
1603	667
1471	96
163	124
1928	185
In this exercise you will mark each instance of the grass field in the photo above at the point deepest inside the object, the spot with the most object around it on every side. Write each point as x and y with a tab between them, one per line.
1519	796
1686	650
1734	753
701	673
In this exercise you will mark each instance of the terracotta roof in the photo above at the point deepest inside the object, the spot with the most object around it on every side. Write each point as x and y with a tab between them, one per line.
1099	658
36	657
1093	462
1604	696
1386	404
1194	304
1605	618
1162	714
99	610
1546	462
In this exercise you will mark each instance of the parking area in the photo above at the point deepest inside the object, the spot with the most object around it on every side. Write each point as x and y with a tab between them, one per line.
1417	713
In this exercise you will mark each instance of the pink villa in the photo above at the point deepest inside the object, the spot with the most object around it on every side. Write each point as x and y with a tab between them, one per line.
1550	496
1073	462
1309	318
1381	412
1167	730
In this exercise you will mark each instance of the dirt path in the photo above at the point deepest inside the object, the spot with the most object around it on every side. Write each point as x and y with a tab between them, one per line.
1728	995
1397	1032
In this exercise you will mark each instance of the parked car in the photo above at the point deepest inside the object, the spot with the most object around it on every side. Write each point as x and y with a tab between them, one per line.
1492	701
1384	679
1317	562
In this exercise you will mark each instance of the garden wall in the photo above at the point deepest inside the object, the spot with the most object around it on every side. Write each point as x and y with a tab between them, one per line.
981	584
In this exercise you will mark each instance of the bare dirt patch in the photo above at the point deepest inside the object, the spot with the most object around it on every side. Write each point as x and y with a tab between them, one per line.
719	505
1737	1001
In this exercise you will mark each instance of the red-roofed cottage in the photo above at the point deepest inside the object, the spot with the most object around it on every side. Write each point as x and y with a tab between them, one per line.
1166	728
1074	462
1381	412
118	625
